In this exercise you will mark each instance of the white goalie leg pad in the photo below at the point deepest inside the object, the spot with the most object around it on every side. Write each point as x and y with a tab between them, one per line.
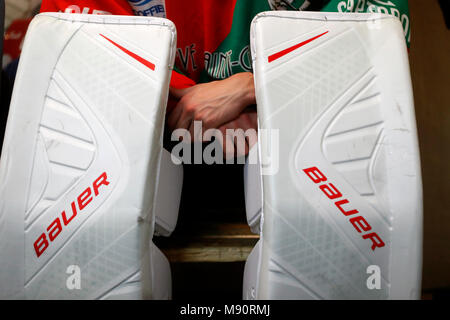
342	215
80	161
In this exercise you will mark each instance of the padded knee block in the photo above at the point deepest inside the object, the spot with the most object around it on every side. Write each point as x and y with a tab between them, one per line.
168	196
81	159
252	190
342	212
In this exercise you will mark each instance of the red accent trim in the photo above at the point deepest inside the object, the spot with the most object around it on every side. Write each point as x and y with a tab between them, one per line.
133	55
284	52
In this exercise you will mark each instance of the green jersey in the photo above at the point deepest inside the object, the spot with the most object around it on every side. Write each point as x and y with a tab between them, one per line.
233	53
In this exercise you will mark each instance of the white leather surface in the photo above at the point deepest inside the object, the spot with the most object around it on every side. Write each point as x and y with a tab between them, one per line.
251	273
252	189
337	88
168	195
85	128
131	289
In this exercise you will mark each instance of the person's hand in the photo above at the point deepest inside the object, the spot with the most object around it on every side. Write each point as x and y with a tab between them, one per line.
237	143
215	103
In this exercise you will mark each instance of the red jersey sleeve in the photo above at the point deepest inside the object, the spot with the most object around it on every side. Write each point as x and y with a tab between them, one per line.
119	7
180	81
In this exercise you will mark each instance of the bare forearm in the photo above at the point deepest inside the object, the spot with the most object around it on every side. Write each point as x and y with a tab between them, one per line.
248	88
214	103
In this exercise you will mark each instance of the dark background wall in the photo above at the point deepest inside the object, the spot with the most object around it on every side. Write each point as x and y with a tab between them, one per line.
430	69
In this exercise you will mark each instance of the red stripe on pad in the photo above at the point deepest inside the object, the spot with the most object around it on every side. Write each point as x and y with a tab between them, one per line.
131	54
284	52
